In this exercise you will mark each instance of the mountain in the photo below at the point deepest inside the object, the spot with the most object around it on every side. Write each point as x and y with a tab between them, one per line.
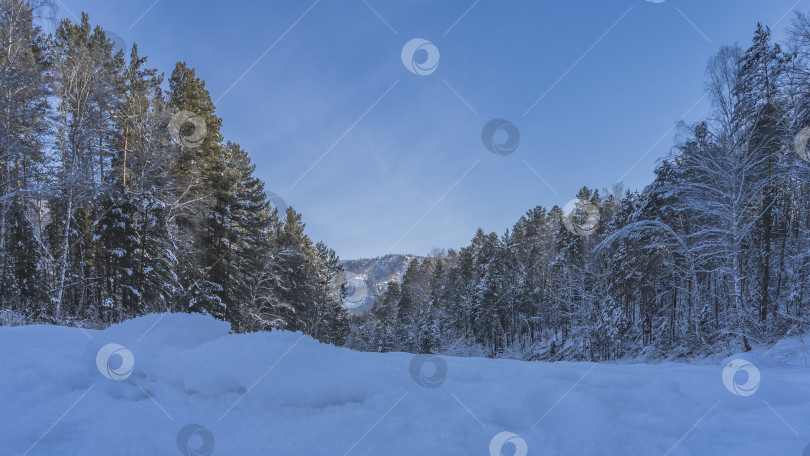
367	278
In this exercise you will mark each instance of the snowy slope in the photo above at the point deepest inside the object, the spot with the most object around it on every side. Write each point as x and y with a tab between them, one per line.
281	393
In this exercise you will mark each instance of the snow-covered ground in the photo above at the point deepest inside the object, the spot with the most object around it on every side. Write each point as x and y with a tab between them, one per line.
196	390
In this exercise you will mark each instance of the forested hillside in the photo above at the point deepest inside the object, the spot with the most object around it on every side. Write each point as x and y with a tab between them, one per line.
119	196
368	278
714	254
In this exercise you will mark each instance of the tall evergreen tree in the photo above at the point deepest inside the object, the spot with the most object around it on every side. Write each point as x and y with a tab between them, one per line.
86	74
24	88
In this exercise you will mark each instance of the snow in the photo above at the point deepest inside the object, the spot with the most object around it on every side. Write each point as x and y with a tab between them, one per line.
190	384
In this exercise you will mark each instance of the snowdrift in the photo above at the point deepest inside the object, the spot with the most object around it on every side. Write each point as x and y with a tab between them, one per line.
181	384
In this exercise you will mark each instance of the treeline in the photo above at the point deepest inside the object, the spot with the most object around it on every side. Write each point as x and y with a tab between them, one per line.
120	197
713	255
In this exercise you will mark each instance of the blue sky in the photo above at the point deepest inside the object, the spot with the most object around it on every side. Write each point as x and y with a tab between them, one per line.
381	160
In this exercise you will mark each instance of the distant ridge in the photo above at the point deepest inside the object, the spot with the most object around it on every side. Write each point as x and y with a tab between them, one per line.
367	278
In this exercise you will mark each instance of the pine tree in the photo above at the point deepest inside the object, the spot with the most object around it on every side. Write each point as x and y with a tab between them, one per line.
24	87
333	318
195	171
761	109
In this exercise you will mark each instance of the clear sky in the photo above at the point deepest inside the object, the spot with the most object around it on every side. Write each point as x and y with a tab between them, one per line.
382	160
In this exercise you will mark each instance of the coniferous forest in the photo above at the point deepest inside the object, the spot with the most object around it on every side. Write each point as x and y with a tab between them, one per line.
119	197
713	254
